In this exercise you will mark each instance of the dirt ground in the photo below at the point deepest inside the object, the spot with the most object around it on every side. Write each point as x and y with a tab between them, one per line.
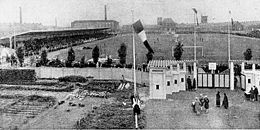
176	112
61	119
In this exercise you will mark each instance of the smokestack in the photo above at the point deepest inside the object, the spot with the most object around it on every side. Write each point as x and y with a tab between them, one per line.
105	12
55	22
21	19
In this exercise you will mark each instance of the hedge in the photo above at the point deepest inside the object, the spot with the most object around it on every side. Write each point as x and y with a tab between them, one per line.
16	75
68	88
72	78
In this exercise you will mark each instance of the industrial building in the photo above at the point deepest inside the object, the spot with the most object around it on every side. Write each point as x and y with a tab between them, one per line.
112	25
94	24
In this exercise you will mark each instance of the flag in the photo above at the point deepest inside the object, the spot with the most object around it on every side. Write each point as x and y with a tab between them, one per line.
195	11
197	20
139	29
232	23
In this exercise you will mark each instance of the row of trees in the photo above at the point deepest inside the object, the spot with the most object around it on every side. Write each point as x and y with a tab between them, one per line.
122	52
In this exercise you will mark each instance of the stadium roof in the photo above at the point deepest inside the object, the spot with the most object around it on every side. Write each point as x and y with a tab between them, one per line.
83	21
51	33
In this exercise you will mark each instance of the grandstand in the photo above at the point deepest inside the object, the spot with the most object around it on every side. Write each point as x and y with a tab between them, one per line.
34	41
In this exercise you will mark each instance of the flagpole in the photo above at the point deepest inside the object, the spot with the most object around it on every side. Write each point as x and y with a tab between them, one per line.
195	40
134	55
229	39
136	119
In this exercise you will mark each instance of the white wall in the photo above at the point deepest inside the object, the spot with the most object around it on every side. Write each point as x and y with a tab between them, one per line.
157	78
97	73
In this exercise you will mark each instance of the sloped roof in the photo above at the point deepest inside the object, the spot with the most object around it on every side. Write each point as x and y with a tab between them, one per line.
165	63
168	20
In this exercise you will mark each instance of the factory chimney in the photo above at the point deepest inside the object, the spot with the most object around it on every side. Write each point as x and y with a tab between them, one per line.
21	18
105	12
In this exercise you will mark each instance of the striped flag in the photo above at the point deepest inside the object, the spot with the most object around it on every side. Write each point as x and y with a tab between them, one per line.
195	11
139	29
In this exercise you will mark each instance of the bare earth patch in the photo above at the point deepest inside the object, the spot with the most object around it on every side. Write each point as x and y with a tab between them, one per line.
176	112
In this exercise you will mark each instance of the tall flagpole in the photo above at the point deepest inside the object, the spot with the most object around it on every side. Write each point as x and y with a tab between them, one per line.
229	39
195	40
134	55
135	94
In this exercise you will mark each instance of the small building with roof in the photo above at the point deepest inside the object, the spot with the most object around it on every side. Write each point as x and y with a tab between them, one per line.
166	77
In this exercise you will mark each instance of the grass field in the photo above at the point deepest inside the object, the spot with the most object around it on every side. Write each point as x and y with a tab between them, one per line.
215	47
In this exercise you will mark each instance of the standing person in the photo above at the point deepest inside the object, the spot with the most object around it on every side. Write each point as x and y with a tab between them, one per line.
206	103
251	94
225	101
218	99
201	99
197	106
235	83
256	93
189	83
194	84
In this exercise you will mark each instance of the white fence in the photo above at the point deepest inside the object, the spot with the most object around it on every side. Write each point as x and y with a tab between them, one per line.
97	73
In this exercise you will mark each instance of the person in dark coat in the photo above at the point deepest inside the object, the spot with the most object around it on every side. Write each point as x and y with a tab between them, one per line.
206	103
201	99
189	83
197	106
194	84
252	94
256	93
225	101
218	99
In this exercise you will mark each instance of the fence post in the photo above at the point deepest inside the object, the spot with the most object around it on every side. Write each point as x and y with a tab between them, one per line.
231	76
112	73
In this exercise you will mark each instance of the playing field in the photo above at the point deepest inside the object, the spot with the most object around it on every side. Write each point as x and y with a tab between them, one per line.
214	47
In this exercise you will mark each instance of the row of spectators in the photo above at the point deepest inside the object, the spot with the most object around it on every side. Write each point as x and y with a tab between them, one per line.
56	43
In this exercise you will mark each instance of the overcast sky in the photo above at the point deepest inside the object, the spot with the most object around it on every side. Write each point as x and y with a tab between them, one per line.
66	11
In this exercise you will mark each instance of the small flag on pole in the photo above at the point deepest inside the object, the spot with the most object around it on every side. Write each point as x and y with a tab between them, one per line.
139	29
195	11
232	23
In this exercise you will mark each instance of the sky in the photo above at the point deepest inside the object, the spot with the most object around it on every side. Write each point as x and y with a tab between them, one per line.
66	11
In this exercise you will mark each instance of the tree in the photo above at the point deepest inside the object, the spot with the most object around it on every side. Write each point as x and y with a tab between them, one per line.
13	60
149	56
20	55
178	50
82	61
8	59
109	60
95	54
71	57
248	54
122	53
44	59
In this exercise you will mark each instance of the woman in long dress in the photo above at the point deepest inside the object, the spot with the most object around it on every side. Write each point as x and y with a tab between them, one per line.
218	99
197	106
225	101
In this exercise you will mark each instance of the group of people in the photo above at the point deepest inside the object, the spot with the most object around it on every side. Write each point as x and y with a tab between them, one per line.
225	100
252	95
200	104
